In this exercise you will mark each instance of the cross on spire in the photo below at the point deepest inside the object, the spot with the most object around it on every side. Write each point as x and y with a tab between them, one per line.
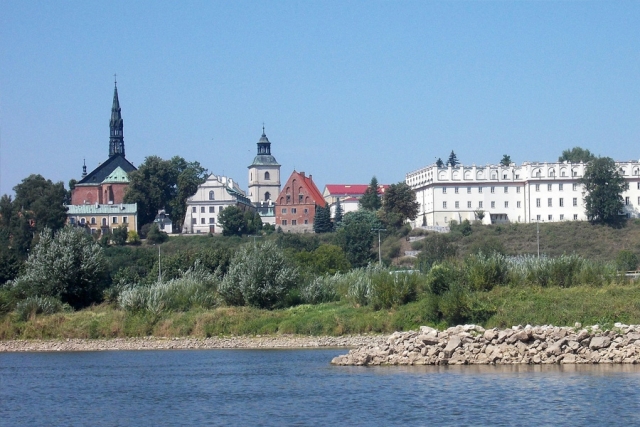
115	80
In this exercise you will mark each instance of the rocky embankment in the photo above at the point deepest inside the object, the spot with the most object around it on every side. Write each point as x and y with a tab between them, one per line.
472	344
155	343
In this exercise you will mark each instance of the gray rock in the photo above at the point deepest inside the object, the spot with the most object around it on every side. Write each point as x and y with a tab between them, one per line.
599	342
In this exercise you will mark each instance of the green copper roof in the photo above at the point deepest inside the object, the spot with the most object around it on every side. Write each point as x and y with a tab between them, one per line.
123	208
118	175
264	159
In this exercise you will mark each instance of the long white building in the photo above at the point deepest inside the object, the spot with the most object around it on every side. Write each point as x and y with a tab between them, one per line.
530	192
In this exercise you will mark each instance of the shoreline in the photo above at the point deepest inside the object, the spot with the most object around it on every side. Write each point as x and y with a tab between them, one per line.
266	342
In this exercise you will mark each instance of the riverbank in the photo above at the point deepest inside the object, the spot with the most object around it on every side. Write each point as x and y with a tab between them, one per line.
159	343
475	345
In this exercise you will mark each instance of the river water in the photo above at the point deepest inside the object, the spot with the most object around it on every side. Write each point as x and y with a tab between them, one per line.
301	388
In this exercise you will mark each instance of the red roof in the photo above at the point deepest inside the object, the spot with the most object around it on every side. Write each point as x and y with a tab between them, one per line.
352	189
309	184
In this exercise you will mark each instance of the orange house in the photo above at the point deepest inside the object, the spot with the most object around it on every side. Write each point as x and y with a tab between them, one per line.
296	204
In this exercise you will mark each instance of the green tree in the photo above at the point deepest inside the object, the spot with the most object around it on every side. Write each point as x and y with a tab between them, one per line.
232	221
370	200
355	236
41	201
506	160
337	216
603	188
453	160
322	220
69	266
259	276
439	163
155	235
119	235
189	176
626	261
435	248
252	222
576	155
399	204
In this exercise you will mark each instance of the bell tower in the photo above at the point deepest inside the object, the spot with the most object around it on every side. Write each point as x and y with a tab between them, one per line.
116	137
264	173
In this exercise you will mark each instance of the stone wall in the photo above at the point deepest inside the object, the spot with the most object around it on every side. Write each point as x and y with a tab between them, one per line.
472	344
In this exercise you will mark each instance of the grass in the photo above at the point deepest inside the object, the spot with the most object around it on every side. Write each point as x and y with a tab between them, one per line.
510	306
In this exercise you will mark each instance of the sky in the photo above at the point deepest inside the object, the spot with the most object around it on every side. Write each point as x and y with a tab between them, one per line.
346	89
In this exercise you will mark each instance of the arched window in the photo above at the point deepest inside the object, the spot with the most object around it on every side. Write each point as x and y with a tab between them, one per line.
267	196
104	222
211	195
267	177
93	221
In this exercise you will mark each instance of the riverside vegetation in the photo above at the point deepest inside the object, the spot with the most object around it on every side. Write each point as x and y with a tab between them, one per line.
70	287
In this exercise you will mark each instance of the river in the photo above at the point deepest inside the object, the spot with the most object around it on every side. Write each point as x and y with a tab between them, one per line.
301	388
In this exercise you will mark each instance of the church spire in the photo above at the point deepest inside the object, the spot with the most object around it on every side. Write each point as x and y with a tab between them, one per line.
264	146
116	138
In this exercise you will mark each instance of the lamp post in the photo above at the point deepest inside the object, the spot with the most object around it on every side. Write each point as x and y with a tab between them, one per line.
159	268
379	251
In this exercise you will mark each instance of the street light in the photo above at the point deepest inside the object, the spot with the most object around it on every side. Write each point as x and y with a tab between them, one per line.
159	268
379	252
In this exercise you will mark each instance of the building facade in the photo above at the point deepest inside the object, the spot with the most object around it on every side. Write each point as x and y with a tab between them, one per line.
531	192
297	202
103	217
348	194
212	196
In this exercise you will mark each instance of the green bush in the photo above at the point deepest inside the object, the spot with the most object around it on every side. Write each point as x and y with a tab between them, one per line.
436	248
391	289
441	277
31	306
455	305
259	276
320	289
484	272
626	261
155	235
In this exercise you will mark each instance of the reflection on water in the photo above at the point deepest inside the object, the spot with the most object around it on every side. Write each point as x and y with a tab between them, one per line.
300	387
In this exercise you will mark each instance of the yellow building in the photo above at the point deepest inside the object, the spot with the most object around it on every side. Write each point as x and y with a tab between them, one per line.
103	217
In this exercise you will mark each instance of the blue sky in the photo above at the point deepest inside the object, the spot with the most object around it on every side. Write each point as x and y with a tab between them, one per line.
346	90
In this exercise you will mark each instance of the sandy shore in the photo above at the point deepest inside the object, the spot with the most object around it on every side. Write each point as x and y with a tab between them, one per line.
158	343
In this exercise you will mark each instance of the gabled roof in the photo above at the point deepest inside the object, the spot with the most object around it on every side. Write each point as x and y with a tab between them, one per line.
103	171
351	189
117	176
307	182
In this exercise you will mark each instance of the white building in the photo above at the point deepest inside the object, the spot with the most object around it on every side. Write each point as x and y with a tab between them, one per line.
530	192
348	194
215	194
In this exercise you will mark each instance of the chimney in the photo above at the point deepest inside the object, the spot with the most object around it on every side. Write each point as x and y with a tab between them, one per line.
302	174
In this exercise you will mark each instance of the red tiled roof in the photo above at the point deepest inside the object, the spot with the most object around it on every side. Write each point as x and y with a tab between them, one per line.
307	181
352	189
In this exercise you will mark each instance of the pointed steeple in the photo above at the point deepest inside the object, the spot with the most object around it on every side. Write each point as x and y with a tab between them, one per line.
84	168
116	138
264	146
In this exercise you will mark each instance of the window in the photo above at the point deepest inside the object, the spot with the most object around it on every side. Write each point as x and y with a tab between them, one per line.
267	196
560	186
284	210
211	195
212	220
506	204
457	205
294	222
202	209
468	190
212	209
306	221
114	220
638	201
93	221
306	210
193	221
504	176
518	204
444	190
201	220
125	219
479	189
626	201
284	222
480	205
638	185
288	198
266	176
561	217
537	217
550	202
575	216
300	198
493	205
550	217
575	201
469	205
294	210
455	190
548	187
444	205
537	203
518	190
561	201
493	189
537	187
575	187
220	208
506	189
194	210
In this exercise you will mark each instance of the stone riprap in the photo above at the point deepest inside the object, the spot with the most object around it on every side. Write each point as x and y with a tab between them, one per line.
157	343
472	344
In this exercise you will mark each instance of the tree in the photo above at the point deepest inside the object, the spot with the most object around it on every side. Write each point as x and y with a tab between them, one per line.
479	214
435	248
399	204
322	220
189	176
453	160
355	236
119	235
67	265
370	200
439	163
603	188
506	160
259	276
155	235
576	155
41	201
252	222
232	220
337	216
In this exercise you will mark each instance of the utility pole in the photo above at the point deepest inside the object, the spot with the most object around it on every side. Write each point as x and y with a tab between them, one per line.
379	251
159	268
254	239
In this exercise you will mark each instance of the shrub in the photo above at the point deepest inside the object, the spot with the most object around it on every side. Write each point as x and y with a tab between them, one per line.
484	272
31	306
320	289
455	305
436	248
119	235
626	261
441	277
155	235
133	238
359	291
391	289
259	276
